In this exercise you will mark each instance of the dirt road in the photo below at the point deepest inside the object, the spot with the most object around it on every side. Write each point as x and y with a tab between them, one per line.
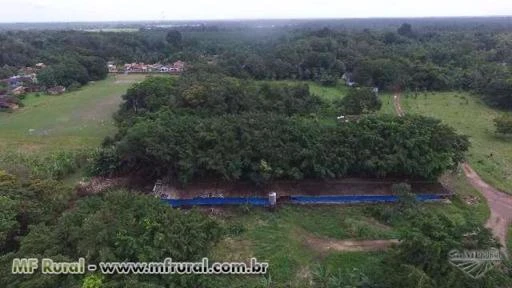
398	107
499	203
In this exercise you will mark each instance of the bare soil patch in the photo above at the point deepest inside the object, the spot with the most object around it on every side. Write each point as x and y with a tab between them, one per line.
323	245
347	186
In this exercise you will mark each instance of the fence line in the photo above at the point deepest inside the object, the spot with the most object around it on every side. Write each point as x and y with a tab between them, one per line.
299	199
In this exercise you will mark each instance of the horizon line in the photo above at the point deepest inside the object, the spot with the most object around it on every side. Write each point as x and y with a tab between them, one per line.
260	19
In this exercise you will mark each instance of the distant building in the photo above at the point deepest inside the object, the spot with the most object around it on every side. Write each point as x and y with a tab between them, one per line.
176	67
17	81
179	66
112	68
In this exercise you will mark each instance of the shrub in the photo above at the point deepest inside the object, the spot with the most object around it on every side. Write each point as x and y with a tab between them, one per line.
360	101
503	124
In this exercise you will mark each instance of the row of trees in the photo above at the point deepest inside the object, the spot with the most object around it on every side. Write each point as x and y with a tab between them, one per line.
264	146
425	58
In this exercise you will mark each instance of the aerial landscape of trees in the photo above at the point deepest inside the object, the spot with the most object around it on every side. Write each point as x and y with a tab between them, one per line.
116	226
415	57
247	109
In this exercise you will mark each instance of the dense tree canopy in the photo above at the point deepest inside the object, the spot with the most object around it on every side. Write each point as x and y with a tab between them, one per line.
360	101
209	125
234	147
118	226
411	56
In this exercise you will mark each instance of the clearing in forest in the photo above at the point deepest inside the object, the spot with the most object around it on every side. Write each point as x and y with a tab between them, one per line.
78	119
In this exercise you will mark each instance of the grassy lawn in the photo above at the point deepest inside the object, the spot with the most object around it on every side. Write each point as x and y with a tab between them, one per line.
74	120
329	93
280	238
387	104
490	155
465	193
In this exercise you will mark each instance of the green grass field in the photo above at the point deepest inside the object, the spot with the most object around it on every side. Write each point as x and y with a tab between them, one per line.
74	120
490	154
387	104
280	238
329	93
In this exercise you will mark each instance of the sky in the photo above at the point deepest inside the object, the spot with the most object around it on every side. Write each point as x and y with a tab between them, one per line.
128	10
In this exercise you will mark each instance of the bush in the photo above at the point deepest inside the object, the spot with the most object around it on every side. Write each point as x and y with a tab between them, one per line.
103	162
53	165
73	87
360	101
503	124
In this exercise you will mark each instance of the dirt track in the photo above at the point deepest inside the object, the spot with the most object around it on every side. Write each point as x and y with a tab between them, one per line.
398	107
329	245
499	203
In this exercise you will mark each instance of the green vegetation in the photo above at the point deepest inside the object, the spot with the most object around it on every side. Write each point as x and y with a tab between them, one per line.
360	101
266	131
114	227
294	240
71	72
387	104
75	120
504	124
467	197
490	154
54	136
255	106
423	57
327	93
282	239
